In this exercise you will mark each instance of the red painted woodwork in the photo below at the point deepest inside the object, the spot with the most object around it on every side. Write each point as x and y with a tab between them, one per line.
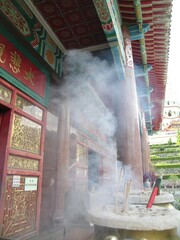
14	62
5	115
19	208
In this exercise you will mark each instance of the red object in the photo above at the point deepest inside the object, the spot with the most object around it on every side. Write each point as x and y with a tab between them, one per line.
153	195
155	192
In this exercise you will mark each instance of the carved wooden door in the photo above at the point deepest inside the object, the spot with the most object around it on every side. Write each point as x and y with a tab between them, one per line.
22	166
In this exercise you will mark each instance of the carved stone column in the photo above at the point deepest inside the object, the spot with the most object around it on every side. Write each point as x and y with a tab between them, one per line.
62	161
128	133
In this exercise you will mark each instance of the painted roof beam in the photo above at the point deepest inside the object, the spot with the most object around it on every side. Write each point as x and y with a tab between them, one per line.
109	15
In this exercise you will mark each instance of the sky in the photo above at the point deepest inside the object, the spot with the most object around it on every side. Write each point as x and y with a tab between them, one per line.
173	82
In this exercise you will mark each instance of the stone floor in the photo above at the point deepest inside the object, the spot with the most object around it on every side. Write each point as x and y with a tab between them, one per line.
72	233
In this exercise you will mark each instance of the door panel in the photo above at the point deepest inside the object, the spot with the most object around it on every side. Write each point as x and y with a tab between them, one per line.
19	210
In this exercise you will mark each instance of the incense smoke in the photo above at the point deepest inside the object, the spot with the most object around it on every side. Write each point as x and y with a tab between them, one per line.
91	87
88	84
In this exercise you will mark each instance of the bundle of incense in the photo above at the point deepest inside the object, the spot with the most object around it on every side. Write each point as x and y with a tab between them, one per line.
126	194
121	174
156	191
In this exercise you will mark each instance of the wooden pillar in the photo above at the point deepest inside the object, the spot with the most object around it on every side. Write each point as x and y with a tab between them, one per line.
63	160
145	147
128	133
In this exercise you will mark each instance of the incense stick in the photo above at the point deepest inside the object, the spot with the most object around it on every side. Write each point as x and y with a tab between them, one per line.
121	174
126	194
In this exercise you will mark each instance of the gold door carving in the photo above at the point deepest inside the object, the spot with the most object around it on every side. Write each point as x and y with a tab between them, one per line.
26	134
20	210
23	163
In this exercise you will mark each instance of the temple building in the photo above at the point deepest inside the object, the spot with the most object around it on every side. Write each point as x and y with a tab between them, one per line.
171	114
82	85
170	123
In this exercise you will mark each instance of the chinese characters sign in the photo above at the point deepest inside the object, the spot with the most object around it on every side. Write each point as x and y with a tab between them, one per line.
31	184
16	181
16	64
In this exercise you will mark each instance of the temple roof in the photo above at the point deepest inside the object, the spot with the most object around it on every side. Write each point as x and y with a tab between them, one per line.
76	23
158	15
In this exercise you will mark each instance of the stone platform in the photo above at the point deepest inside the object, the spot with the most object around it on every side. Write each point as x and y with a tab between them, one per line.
138	217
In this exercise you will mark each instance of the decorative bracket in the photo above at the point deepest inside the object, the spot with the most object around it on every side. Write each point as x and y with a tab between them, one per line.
135	34
140	70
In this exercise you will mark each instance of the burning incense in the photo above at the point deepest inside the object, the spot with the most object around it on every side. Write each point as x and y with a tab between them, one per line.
126	194
121	174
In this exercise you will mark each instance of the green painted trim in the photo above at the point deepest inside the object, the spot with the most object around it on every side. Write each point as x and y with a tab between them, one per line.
117	22
16	82
105	18
22	49
115	35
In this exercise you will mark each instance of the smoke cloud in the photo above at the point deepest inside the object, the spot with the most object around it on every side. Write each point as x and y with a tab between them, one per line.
88	85
91	87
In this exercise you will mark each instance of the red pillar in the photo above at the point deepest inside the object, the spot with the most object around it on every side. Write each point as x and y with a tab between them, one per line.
145	147
128	133
62	162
